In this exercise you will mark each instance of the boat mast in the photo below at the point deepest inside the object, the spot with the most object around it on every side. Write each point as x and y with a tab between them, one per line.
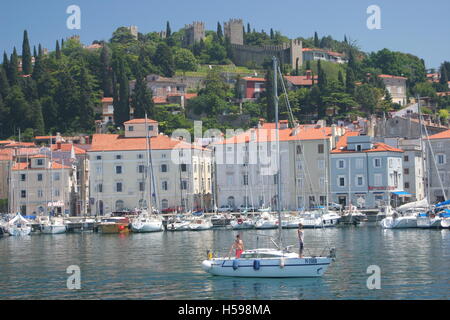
278	161
147	146
422	147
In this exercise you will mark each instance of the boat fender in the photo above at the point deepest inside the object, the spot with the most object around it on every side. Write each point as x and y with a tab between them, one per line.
256	264
281	262
235	264
209	254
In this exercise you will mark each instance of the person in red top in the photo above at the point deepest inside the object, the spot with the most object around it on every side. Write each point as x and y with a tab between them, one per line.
238	245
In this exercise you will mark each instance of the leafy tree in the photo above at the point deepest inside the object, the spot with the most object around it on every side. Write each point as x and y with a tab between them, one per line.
26	54
122	36
163	59
185	60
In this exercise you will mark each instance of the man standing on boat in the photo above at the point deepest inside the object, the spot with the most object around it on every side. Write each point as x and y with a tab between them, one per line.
238	245
300	239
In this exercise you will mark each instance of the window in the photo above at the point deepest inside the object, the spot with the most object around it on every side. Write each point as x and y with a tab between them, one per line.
119	187
164	204
99	187
165	185
441	159
39	177
378	180
140	156
406	158
321	182
341	164
320	148
164	168
341	181
98	169
150	128
141	186
183	167
406	171
359	180
245	179
99	157
275	179
118	157
40	193
141	168
377	162
57	193
230	179
359	163
118	169
130	128
406	185
299	149
40	162
183	185
358	147
56	176
23	177
23	193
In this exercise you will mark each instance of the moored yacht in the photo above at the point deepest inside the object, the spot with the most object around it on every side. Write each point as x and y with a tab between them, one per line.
403	220
18	226
199	224
266	221
146	222
53	225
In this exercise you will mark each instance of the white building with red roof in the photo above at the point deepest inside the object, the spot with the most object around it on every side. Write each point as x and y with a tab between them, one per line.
40	186
439	168
396	86
246	164
365	173
130	171
314	54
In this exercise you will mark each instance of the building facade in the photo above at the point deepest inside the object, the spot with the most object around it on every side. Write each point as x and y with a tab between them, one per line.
396	86
364	173
314	54
438	166
131	171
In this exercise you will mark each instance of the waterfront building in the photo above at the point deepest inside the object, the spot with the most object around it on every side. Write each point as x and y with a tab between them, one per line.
365	173
439	168
246	163
122	179
40	185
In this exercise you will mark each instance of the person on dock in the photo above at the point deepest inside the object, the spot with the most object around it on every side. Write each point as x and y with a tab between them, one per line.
300	239
238	245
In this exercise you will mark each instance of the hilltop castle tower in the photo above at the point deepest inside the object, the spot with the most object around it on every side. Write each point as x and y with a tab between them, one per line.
194	33
233	30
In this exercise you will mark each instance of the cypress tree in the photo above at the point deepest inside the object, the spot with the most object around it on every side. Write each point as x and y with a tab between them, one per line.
121	95
444	77
308	65
168	31
37	118
316	40
4	85
163	59
13	73
345	39
26	54
34	52
271	33
57	51
106	75
350	82
248	28
5	62
341	78
86	107
40	52
219	32
142	99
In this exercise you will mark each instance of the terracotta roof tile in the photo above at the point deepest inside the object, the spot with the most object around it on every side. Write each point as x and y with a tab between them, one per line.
440	135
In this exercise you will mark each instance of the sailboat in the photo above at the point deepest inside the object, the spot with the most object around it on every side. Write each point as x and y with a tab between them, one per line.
280	262
18	226
145	221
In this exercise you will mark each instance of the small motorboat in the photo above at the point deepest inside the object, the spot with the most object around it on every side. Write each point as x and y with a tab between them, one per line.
54	225
147	223
18	226
428	220
221	220
114	225
266	221
242	223
200	224
330	219
310	220
178	225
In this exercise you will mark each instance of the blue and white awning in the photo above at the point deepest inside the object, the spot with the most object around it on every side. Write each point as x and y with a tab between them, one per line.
402	193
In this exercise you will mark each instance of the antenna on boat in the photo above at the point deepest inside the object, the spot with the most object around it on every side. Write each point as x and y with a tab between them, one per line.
278	161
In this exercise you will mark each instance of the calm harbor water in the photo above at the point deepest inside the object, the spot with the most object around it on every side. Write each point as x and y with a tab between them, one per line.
415	264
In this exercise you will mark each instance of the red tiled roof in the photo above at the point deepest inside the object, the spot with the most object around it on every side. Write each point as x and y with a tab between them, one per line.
390	76
140	120
440	135
253	79
25	166
190	95
67	147
159	100
20	144
107	99
6	154
341	145
300	80
115	142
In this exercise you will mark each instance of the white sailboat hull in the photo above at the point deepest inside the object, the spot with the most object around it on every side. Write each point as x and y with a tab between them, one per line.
178	226
266	225
445	223
242	226
399	223
268	267
19	231
147	226
53	229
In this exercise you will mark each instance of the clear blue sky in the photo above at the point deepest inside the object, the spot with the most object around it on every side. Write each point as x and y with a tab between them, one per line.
421	28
